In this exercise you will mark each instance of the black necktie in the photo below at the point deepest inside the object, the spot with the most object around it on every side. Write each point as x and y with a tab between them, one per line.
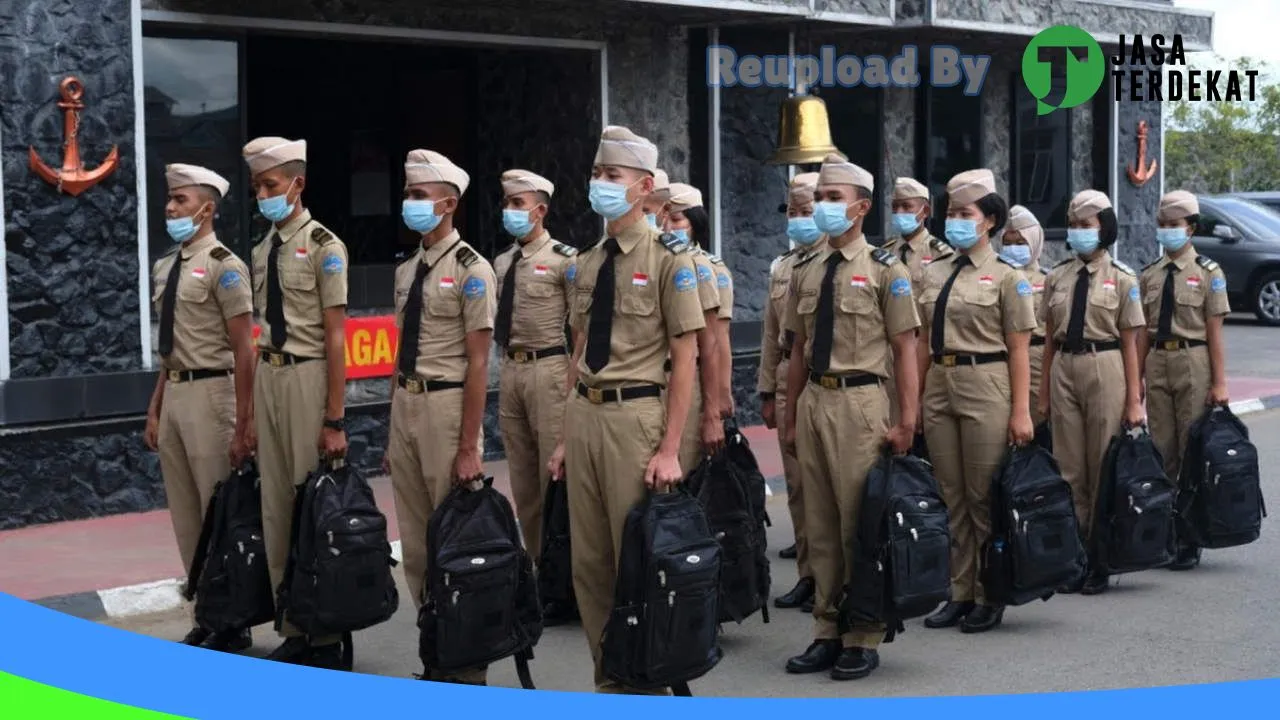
408	361
600	326
936	336
1166	304
1079	301
824	322
166	305
906	250
502	333
275	297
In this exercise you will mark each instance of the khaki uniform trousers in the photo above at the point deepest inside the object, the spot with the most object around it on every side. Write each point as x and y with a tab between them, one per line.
691	452
791	472
289	404
1036	355
607	450
966	424
1178	383
421	447
1086	410
839	434
197	421
531	400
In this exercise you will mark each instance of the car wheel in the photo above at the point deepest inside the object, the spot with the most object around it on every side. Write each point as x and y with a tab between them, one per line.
1266	299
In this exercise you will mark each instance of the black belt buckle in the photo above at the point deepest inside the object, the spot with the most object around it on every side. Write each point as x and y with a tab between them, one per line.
275	359
949	360
595	395
175	376
830	382
413	384
1172	345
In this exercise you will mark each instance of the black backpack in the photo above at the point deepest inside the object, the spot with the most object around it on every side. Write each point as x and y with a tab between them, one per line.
1035	544
663	630
1220	501
902	548
1134	516
1044	436
481	598
555	564
338	577
229	578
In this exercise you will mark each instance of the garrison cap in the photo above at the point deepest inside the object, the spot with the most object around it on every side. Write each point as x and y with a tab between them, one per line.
427	166
264	153
971	186
623	148
515	182
684	197
905	188
178	175
837	170
1177	205
1086	204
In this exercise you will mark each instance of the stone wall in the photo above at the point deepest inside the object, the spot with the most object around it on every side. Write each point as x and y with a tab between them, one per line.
72	261
1136	206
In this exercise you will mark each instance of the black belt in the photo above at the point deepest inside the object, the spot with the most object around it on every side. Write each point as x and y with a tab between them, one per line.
1176	344
1037	340
598	396
1090	347
952	360
838	382
524	356
666	366
177	376
280	359
417	385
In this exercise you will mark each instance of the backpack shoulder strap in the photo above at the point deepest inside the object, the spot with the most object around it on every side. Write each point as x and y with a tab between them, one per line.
283	592
522	669
202	545
681	689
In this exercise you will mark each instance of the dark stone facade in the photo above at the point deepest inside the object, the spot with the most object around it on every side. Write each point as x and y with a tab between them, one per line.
72	261
1136	206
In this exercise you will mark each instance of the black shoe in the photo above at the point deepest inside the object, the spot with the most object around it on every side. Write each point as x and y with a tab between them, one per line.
855	664
788	553
799	594
982	618
197	636
806	607
821	655
328	657
1187	558
294	651
949	616
1096	584
1074	586
233	641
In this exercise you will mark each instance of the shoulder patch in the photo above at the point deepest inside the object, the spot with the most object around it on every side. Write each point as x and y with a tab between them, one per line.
565	250
1122	267
674	244
219	254
466	256
321	236
1206	263
884	257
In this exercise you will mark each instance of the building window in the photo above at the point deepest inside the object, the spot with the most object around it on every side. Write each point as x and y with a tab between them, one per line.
948	141
855	115
1040	159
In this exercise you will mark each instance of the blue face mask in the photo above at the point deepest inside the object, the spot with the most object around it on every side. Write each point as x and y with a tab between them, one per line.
1172	239
962	233
803	230
653	220
420	215
180	229
517	222
1019	255
609	200
682	234
905	223
832	218
276	208
1082	240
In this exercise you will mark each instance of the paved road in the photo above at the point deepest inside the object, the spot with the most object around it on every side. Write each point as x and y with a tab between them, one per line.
1252	348
1155	628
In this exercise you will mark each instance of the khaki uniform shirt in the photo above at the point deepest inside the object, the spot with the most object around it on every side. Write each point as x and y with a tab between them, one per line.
989	300
724	287
922	250
707	293
1036	276
774	339
655	298
1114	299
1200	292
213	288
313	277
544	288
457	298
873	303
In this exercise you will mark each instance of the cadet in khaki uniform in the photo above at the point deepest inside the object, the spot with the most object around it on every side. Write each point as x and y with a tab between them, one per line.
914	246
635	302
849	305
978	316
1092	382
444	311
655	203
1021	245
535	286
775	357
1184	295
199	418
300	292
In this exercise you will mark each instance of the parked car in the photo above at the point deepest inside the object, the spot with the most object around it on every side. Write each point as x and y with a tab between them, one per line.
1243	236
1271	198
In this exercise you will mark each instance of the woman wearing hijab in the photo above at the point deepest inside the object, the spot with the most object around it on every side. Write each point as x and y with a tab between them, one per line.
1021	245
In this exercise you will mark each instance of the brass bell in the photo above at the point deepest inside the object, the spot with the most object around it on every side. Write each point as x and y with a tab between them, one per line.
804	133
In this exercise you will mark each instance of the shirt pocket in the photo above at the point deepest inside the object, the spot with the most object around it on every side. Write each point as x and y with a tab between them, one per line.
157	297
540	289
193	290
637	303
445	305
300	280
858	300
778	289
402	298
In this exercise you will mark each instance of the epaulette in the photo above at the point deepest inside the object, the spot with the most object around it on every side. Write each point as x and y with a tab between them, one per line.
673	244
801	263
939	247
466	256
1152	264
219	254
322	237
1206	263
565	250
1123	268
1063	262
715	259
884	257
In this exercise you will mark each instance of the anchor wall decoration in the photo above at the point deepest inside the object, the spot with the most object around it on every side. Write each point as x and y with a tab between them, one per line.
1138	175
73	178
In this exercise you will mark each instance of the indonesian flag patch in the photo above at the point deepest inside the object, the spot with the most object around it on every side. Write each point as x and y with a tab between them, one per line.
640	280
926	259
1193	282
1109	284
1038	288
197	273
986	280
446	282
858	281
300	253
539	269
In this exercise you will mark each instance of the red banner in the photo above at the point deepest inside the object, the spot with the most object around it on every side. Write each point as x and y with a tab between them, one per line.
370	345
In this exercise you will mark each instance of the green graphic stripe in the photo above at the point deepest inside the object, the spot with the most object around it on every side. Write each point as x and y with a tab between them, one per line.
27	700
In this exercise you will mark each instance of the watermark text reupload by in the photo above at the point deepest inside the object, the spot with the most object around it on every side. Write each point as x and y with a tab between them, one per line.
947	67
